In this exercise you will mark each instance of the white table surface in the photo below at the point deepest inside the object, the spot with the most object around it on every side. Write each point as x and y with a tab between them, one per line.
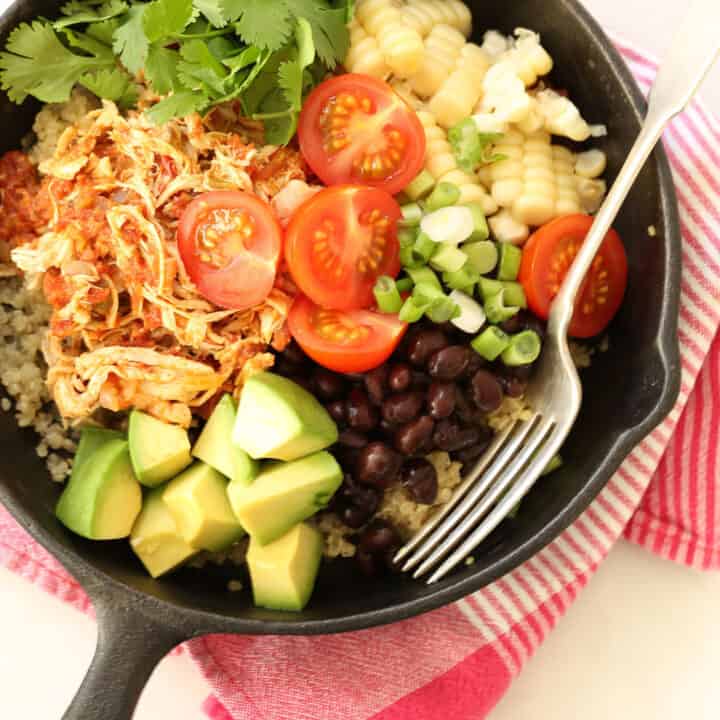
642	641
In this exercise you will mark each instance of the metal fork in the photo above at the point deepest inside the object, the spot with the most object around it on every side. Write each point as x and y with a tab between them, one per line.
519	454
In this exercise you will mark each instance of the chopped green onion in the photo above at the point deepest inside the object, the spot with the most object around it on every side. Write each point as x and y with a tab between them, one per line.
449	225
424	247
482	255
424	276
445	194
412	214
407	236
510	257
442	309
514	294
447	258
481	231
387	296
421	186
427	294
408	259
496	309
404	284
490	343
524	348
488	288
471	317
411	311
555	462
463	279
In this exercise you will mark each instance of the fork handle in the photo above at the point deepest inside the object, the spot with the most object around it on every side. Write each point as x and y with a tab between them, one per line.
691	56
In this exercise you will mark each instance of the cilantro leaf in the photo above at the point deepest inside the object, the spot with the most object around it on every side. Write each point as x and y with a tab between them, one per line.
163	18
290	81
265	23
213	10
161	69
246	57
329	28
112	84
103	31
179	104
84	14
37	63
83	41
281	123
199	69
129	41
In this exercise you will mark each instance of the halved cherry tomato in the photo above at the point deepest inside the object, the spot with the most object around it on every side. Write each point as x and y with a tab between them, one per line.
357	129
547	256
340	241
344	341
230	243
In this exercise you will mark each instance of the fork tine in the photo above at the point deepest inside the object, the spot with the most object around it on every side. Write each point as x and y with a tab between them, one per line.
505	477
459	493
503	507
515	439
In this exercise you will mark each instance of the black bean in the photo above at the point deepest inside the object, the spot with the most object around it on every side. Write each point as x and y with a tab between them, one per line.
386	427
294	354
352	439
338	411
473	452
520	372
420	380
376	384
449	436
449	363
400	377
366	497
466	410
328	385
378	465
353	516
512	325
514	387
403	407
475	363
423	344
419	477
441	399
532	322
379	537
487	392
410	438
361	415
367	562
346	456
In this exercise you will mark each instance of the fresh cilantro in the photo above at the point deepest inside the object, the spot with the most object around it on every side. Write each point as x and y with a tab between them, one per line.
104	31
179	104
129	40
199	69
161	69
90	45
164	18
328	27
471	147
213	11
112	84
37	63
265	23
82	14
246	57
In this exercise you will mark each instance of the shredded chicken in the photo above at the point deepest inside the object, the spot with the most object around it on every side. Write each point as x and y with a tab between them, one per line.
129	328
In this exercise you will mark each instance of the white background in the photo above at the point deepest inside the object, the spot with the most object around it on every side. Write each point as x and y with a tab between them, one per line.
642	642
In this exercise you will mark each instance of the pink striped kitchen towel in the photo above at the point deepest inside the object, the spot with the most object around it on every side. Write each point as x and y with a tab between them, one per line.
457	662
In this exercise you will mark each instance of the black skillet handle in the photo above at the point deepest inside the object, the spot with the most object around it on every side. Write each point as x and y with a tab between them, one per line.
129	646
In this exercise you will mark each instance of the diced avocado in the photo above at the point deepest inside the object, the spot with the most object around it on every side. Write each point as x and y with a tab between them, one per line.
197	499
91	438
284	494
283	572
102	498
215	446
158	450
155	537
278	419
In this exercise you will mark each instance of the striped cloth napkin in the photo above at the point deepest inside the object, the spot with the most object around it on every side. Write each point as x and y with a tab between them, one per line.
457	662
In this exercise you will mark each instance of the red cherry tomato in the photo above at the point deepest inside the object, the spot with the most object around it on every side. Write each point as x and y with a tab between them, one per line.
357	129
344	341
340	241
547	256
230	243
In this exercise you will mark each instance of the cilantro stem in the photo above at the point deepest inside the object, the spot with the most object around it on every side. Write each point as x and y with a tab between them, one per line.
202	36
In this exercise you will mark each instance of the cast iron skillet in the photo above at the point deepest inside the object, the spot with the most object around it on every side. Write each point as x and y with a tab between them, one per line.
628	391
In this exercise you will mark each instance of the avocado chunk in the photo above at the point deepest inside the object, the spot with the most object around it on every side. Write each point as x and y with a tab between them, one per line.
197	500
158	450
283	572
215	446
284	494
280	420
155	537
102	498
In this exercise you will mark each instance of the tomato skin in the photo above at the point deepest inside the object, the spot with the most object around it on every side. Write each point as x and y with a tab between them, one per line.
380	335
336	264
250	262
547	256
381	144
